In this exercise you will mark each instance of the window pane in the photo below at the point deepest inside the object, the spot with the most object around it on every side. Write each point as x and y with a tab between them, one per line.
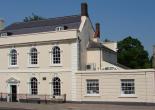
56	55
33	56
92	87
56	86
34	86
13	57
127	86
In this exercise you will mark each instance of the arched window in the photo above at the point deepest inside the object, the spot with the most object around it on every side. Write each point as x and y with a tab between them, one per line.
34	86
56	55
13	57
33	56
56	86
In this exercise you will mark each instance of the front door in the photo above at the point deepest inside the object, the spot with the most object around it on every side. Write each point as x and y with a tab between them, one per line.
13	93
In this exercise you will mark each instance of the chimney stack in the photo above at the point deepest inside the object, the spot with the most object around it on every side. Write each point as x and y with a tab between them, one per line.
153	60
1	24
97	31
84	9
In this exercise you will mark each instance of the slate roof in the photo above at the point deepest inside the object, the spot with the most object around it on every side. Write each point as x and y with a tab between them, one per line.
70	22
94	45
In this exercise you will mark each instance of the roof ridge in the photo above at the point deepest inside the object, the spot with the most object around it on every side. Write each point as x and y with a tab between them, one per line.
47	19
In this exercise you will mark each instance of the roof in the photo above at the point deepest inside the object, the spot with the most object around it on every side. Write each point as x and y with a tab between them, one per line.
95	45
69	22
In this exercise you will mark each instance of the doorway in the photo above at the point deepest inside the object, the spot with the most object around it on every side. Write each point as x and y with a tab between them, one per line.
13	93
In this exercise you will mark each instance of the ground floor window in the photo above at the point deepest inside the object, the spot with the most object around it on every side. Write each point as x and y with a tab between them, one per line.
56	86
127	86
92	86
34	86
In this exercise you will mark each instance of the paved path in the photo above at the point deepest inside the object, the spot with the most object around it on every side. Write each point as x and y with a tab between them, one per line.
70	106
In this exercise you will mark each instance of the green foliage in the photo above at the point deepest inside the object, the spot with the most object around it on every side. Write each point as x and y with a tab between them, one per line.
33	18
131	53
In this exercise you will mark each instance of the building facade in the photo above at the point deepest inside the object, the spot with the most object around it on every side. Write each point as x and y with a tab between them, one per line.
64	55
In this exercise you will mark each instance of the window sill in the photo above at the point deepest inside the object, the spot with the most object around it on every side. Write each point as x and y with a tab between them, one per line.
92	95
13	66
33	66
55	65
128	96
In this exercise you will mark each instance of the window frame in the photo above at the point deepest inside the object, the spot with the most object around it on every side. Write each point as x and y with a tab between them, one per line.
30	58
88	93
128	83
56	80
3	34
11	58
52	59
34	90
59	28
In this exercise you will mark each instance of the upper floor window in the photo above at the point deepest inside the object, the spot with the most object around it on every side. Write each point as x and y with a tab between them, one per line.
127	86
56	56
59	28
33	56
3	34
13	57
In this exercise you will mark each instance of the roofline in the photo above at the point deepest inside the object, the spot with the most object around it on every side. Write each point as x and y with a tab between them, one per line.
16	35
117	71
93	48
44	19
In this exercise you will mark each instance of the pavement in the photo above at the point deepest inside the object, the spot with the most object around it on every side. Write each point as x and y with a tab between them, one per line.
71	106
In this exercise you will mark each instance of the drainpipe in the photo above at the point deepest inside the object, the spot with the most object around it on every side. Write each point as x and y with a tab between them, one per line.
79	49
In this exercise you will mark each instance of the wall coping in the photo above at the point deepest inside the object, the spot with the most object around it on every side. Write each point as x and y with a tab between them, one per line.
117	71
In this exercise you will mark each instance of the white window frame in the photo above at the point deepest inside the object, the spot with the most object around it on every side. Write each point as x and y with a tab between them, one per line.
56	87
125	85
90	91
59	28
10	59
51	57
31	89
30	65
4	34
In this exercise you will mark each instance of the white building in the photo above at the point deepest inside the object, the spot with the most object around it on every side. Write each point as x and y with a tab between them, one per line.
64	55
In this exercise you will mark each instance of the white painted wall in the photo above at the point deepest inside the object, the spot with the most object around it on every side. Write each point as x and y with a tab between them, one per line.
110	86
86	33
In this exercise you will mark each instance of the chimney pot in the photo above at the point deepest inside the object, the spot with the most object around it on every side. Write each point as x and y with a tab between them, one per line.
97	31
84	9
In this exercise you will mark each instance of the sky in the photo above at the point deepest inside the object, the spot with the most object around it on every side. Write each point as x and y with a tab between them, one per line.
118	18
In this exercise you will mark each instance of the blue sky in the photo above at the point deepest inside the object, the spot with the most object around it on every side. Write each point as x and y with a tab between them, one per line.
118	18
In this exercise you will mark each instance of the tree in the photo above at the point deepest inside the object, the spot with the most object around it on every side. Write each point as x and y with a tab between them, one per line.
34	17
131	53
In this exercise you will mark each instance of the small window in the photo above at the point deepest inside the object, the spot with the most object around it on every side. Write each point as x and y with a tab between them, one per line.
110	68
92	86
91	66
88	67
59	28
127	86
3	34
